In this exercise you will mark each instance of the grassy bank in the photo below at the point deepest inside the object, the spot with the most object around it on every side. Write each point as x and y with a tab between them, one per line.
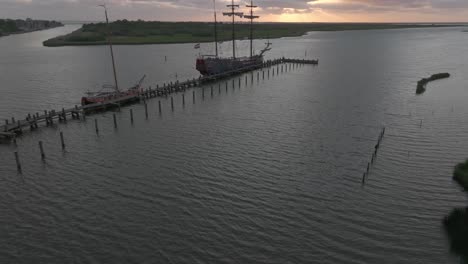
149	32
456	223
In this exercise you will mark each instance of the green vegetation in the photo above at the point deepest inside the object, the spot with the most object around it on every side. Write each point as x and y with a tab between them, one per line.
10	26
456	223
149	32
421	87
460	174
7	26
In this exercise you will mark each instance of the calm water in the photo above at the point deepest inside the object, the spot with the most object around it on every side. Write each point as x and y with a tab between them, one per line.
268	173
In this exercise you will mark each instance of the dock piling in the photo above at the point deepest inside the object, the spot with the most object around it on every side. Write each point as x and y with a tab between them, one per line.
159	106
211	91
41	149
62	141
193	96
18	163
96	125
131	115
172	104
183	100
146	110
115	120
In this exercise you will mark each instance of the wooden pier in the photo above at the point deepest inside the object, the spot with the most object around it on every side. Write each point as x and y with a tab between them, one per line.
12	128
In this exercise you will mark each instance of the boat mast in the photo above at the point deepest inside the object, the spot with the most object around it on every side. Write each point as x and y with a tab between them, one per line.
251	17
215	28
110	46
233	14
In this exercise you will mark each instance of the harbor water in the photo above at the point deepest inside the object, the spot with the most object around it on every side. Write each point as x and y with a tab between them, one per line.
268	172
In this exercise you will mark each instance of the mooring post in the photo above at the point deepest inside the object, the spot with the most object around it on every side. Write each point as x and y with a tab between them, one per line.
239	82
172	104
245	80
41	148
18	163
211	91
96	126
263	75
233	84
183	99
193	97
146	110
159	107
131	115
62	141
420	124
258	76
203	93
19	126
226	86
115	120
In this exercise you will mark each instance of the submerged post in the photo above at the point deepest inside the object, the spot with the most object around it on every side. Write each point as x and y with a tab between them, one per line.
62	141
131	115
41	149
183	99
159	106
146	110
18	163
96	126
115	120
212	91
193	95
172	103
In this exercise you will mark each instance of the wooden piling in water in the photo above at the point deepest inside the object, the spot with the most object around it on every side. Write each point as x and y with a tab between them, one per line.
193	95
183	100
131	115
146	110
211	91
159	106
219	88
41	149
62	141
115	120
172	104
203	93
18	163
96	125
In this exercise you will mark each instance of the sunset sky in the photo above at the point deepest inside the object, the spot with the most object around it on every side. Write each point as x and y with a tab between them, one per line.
271	10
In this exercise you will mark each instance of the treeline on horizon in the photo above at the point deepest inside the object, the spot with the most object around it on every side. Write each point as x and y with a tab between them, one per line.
146	32
11	26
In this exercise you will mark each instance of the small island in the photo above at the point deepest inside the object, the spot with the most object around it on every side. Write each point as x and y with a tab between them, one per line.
421	87
126	32
456	223
18	26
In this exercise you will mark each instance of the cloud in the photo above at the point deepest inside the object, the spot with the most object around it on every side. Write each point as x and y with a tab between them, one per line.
202	9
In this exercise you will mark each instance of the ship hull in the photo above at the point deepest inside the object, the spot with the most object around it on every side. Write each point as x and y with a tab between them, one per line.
213	66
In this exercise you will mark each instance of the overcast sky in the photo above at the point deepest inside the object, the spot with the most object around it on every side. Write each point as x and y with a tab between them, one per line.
271	10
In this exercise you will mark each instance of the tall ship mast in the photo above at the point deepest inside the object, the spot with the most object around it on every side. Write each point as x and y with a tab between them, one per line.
214	64
233	14
112	93
251	17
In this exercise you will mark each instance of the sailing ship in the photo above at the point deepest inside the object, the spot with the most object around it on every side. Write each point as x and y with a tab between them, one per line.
111	93
213	64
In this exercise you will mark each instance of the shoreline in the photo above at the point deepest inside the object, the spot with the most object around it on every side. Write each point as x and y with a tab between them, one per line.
176	33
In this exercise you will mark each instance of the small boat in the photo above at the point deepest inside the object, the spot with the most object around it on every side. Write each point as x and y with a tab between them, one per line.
111	94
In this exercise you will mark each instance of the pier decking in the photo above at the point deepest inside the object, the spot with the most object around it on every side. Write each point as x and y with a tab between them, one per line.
12	128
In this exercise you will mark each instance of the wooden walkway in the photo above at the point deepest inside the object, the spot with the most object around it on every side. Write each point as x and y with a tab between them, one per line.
12	128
